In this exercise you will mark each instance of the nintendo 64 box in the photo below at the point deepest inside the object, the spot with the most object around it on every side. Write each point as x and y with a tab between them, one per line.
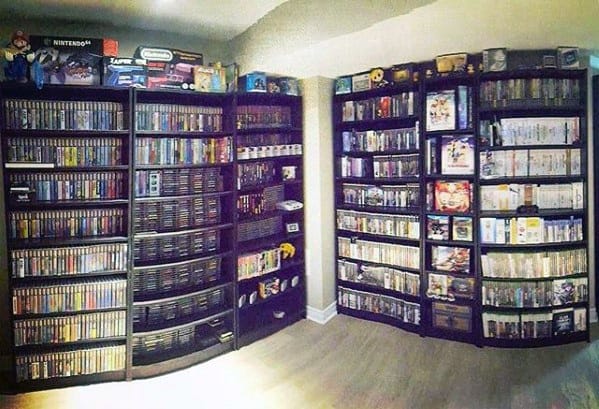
69	60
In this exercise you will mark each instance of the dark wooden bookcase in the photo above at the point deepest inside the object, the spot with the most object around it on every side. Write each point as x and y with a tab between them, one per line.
378	198
65	155
126	211
538	118
501	202
271	283
183	253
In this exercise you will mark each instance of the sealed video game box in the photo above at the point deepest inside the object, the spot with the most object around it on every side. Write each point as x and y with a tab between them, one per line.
253	82
69	60
168	67
124	72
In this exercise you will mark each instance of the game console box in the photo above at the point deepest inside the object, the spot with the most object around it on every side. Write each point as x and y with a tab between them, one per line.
69	60
253	82
168	67
124	72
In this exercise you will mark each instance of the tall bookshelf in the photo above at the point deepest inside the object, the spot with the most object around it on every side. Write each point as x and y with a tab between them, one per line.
533	207
501	201
66	188
271	283
183	226
378	197
129	213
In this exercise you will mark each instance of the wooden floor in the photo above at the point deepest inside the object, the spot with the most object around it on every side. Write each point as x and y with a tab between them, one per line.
350	363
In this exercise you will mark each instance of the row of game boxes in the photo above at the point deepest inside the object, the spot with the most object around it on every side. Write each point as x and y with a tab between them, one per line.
68	260
70	186
534	264
396	308
63	115
183	151
263	116
65	152
66	223
386	253
530	131
52	298
399	196
72	328
402	105
200	335
259	263
260	202
160	312
379	276
544	196
259	228
175	276
169	246
70	363
178	118
388	166
256	173
536	91
530	230
530	162
557	322
530	294
177	214
407	227
173	182
381	140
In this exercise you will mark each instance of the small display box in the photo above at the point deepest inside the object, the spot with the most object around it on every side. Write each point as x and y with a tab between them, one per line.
124	72
69	60
253	82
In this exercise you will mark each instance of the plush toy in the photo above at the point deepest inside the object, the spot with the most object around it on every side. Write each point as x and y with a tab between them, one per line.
18	55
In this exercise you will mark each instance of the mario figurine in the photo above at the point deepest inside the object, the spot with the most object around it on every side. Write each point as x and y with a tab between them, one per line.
18	54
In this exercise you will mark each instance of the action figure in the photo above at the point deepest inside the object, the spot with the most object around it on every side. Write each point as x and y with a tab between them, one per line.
18	54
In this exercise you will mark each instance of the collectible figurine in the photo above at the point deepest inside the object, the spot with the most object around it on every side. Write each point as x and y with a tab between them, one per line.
18	54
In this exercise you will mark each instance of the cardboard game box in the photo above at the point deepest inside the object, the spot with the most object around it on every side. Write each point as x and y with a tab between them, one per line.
69	60
124	72
169	67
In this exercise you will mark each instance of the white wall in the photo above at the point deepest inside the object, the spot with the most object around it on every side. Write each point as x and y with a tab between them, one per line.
319	197
340	39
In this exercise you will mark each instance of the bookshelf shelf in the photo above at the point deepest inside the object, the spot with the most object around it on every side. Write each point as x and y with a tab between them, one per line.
68	313
38	243
66	345
486	140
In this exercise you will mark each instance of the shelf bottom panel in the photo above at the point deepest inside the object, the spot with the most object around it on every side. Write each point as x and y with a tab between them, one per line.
383	319
581	336
266	325
180	362
64	382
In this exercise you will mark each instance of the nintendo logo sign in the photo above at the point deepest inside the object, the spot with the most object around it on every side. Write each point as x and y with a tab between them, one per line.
156	54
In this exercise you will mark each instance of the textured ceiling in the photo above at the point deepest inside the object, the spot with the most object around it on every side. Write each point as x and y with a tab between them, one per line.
219	20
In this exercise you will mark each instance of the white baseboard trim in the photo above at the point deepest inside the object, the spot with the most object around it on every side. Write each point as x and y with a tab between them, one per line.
593	315
322	316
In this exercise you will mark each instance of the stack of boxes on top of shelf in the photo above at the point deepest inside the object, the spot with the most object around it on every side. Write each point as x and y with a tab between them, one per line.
96	61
